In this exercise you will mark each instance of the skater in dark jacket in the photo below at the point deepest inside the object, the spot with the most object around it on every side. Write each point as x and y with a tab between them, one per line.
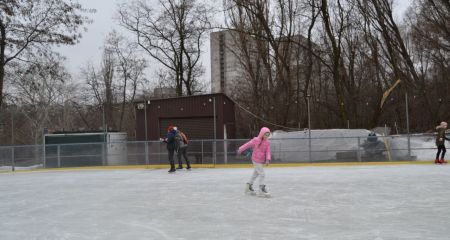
171	145
440	143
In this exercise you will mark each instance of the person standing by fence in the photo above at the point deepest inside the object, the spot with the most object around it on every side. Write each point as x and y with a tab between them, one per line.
440	143
181	148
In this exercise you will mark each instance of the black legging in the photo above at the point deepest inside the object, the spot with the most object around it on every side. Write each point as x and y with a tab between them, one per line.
171	153
441	148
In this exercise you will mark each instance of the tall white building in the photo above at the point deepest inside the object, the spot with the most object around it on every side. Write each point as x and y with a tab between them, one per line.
226	69
230	66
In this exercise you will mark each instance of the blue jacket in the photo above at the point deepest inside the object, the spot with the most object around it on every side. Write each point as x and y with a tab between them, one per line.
171	140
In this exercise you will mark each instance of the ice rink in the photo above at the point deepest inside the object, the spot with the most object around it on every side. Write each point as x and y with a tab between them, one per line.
327	202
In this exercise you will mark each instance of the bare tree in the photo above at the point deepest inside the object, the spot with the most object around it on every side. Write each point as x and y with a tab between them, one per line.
114	85
26	25
429	33
172	34
335	20
130	73
101	83
268	35
38	88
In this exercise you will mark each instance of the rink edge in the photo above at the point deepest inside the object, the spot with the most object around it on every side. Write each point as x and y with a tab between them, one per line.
275	165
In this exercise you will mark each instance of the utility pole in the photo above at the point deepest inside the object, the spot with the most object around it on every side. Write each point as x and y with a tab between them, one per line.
407	125
309	127
146	139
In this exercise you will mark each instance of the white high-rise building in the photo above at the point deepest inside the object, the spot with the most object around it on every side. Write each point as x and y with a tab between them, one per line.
232	61
226	69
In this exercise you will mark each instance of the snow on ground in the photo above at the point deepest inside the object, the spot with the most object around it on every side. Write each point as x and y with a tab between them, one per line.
8	168
345	202
294	146
423	147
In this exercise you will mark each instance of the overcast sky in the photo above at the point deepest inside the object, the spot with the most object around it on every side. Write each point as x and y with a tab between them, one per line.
90	46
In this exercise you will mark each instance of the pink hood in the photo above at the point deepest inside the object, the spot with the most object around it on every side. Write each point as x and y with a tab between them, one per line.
261	147
263	131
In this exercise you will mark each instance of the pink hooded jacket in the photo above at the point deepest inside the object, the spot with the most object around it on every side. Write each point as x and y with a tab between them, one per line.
261	147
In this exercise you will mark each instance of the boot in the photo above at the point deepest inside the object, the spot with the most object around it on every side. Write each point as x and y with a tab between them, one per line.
188	165
249	189
263	191
180	164
443	161
172	167
437	161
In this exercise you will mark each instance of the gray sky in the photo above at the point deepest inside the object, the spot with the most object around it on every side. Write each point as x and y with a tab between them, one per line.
89	48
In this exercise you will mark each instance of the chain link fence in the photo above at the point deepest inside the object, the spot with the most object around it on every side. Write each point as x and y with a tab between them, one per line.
286	150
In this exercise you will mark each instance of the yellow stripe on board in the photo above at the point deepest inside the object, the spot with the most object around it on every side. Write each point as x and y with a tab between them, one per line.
166	166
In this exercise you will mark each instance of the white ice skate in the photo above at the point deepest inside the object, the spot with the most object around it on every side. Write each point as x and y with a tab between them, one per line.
263	192
249	189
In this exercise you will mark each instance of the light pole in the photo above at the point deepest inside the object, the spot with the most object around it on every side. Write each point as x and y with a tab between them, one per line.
215	134
309	127
12	138
407	125
145	124
143	106
145	118
214	109
12	126
104	135
103	118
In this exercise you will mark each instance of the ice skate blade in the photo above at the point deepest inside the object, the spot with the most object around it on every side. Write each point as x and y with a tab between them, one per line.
250	193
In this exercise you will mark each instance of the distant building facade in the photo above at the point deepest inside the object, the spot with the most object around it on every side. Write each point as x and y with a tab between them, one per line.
195	115
164	92
225	66
229	63
230	66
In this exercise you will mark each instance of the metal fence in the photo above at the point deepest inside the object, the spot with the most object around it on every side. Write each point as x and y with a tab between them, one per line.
286	150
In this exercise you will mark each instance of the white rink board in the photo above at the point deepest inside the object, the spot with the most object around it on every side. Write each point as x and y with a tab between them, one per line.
343	202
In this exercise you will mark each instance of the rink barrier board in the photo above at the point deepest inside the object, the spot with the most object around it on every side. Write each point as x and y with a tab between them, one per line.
275	165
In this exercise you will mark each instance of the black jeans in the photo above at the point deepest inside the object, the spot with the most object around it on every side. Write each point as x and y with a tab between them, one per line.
171	162
183	151
441	148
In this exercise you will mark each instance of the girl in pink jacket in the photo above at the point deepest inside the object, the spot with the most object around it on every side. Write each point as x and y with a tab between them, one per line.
260	156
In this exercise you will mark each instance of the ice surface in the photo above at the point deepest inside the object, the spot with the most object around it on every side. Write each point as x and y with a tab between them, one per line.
362	202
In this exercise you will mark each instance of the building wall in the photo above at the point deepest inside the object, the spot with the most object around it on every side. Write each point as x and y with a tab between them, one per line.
164	92
230	66
226	68
193	115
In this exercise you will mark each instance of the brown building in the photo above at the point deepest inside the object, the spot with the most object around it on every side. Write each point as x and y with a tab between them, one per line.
194	115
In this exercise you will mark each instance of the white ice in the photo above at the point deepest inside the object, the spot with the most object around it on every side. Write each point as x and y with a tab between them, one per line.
351	202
